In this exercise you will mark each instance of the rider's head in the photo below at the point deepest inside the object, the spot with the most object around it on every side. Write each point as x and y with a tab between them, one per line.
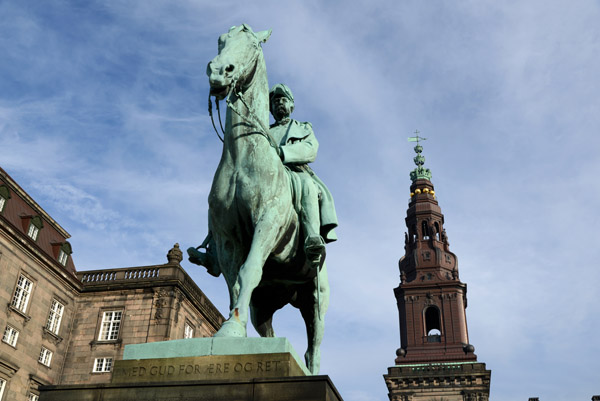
281	101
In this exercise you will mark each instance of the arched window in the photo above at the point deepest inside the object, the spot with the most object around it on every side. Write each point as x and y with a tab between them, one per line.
425	229
437	230
432	324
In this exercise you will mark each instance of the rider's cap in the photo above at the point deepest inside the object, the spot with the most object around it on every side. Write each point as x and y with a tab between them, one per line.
281	89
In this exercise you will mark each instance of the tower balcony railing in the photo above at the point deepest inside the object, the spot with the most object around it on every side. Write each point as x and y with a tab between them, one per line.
434	338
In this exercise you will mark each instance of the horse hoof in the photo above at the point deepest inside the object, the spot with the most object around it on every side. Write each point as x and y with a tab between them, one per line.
231	328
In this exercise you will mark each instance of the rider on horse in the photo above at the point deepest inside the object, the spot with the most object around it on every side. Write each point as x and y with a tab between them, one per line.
297	146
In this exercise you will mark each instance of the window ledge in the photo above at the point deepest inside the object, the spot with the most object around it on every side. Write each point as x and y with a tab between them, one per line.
48	335
10	308
9	344
7	369
116	343
46	366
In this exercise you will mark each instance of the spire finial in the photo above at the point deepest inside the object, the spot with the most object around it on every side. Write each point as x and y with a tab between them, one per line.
420	172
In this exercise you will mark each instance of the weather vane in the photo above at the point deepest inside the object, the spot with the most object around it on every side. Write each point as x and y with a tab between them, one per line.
416	138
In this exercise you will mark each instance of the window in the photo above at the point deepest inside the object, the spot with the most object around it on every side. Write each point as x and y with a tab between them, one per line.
22	293
45	356
35	225
55	316
2	386
62	250
111	321
62	257
188	331
432	325
33	232
33	397
4	195
10	336
425	229
102	364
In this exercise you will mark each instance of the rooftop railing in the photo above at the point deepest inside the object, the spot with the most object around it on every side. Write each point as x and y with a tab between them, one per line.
130	273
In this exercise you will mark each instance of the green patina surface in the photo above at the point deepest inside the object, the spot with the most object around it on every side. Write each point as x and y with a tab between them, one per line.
420	172
269	216
212	346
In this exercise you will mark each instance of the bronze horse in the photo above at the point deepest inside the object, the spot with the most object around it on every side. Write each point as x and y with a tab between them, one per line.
256	235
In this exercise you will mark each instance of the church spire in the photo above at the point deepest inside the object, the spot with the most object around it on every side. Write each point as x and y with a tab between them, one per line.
431	298
435	359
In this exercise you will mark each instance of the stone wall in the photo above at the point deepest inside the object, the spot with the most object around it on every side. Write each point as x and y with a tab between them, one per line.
155	306
48	285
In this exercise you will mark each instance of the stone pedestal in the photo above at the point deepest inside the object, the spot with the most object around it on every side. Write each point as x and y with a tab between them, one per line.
305	388
205	369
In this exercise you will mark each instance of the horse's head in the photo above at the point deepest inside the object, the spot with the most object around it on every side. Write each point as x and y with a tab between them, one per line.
239	50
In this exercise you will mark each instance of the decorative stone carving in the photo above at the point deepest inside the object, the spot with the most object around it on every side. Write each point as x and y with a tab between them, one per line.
160	302
177	299
175	256
445	237
411	298
429	299
470	397
50	336
10	308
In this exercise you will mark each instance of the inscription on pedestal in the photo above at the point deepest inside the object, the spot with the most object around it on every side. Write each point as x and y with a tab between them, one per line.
212	367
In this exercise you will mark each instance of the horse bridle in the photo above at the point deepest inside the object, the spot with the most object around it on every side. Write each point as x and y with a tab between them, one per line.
261	129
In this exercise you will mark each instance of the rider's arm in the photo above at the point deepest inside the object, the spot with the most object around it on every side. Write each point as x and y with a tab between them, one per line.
301	146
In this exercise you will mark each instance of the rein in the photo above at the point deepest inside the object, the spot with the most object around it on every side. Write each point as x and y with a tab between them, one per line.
213	120
261	129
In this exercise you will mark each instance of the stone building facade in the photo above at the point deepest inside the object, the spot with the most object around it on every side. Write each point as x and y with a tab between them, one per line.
60	326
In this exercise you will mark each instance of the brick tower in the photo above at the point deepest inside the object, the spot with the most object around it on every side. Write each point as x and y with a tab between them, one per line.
436	359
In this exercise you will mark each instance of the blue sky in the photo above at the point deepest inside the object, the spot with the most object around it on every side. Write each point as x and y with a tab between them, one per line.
103	121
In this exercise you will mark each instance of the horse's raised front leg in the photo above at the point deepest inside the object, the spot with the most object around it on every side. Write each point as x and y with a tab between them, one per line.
313	303
249	278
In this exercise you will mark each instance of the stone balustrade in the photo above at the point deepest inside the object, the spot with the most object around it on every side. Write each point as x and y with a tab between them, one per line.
106	276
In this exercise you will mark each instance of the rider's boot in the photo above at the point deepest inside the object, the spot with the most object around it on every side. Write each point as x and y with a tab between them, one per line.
206	259
314	249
